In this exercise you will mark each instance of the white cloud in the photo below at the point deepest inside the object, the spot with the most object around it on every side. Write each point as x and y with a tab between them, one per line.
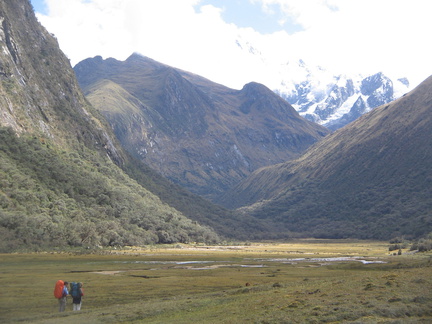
346	36
88	29
363	35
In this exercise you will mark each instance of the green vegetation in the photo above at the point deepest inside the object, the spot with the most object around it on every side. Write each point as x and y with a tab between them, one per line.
292	282
59	198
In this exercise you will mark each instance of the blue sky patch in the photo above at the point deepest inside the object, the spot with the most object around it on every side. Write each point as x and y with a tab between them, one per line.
39	6
243	13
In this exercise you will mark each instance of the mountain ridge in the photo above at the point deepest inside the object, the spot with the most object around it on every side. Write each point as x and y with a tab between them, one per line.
201	135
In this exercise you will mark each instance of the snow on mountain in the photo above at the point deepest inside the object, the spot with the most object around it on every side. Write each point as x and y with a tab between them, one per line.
336	100
330	99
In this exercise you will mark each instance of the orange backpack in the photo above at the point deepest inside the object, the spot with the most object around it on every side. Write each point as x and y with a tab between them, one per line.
58	289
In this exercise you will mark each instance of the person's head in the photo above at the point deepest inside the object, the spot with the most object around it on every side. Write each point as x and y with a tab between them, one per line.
66	283
80	284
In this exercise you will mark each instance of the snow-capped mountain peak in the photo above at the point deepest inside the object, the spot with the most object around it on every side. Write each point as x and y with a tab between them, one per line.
336	100
320	95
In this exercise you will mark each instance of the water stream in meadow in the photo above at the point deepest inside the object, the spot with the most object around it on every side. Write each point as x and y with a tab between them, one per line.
207	265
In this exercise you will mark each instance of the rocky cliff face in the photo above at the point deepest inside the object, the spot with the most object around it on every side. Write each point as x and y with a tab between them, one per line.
199	134
38	89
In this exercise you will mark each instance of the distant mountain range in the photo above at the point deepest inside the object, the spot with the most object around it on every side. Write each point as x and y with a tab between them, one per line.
322	96
341	100
199	134
370	179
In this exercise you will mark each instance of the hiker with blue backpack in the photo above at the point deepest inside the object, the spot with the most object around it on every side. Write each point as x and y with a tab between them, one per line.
76	292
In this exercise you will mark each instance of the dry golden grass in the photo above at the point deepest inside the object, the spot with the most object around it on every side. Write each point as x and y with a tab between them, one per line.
254	283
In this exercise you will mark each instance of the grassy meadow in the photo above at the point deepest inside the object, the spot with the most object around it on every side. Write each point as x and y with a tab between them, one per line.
305	281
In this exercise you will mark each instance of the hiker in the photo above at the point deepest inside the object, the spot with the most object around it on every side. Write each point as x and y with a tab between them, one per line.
62	299
77	293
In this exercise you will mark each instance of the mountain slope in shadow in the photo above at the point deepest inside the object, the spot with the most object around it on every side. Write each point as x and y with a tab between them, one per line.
371	179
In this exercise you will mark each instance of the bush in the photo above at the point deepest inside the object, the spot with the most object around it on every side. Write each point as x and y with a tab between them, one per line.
423	244
394	247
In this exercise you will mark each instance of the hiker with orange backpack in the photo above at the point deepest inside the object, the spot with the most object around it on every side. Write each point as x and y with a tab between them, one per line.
61	292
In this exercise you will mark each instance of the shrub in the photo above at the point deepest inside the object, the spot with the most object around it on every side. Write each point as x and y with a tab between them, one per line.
423	244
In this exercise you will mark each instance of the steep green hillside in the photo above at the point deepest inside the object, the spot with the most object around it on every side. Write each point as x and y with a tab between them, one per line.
50	197
371	179
199	134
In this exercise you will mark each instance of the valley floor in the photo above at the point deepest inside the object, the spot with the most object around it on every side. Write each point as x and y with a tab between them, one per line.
307	281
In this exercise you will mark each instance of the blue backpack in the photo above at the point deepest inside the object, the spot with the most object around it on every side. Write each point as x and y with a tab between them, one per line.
75	290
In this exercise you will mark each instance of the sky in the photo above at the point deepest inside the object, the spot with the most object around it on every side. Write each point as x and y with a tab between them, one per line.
234	42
